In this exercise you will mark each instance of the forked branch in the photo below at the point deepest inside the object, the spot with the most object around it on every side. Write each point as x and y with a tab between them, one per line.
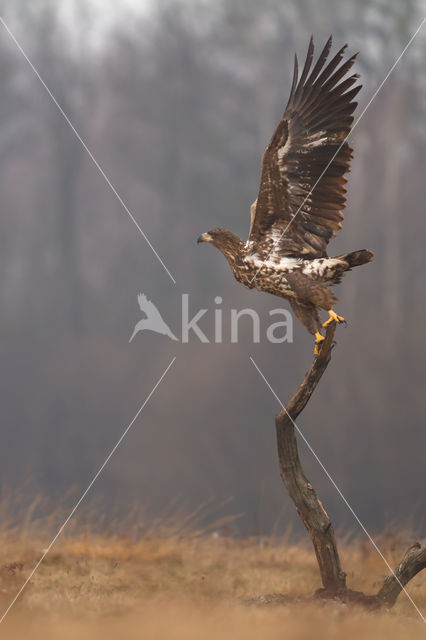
308	505
311	510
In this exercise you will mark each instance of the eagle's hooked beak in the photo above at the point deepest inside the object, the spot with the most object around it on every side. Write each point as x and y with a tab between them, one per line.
204	237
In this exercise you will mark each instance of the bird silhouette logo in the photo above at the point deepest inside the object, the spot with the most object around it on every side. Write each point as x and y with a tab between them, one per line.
153	320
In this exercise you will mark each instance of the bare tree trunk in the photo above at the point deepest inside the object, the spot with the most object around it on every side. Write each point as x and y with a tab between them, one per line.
312	512
308	506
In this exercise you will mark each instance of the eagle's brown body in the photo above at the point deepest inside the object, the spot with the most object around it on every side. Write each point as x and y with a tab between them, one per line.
304	282
301	195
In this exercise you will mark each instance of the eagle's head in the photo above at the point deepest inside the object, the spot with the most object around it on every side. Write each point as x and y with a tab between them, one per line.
226	241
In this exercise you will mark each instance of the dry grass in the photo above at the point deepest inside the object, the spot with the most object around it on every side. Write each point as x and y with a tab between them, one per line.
168	586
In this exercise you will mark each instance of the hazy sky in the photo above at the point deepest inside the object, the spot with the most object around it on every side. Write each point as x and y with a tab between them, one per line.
178	119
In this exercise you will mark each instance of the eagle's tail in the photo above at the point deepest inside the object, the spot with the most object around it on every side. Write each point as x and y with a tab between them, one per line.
356	258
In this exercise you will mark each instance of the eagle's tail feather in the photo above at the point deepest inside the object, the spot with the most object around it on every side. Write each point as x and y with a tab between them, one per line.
356	258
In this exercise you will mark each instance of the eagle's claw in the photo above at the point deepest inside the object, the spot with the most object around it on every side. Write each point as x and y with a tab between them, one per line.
318	339
334	318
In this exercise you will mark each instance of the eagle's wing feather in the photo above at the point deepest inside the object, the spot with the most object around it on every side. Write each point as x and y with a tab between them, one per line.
315	123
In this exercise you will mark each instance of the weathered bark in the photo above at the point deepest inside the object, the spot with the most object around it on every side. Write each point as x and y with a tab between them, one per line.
312	512
411	564
308	506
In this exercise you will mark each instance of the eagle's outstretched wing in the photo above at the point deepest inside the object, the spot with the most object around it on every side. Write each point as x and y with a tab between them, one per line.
316	121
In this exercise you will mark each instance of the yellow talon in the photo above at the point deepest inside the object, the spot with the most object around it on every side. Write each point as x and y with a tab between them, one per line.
333	318
318	339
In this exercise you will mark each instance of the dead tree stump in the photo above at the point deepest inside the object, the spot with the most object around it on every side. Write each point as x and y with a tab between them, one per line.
311	510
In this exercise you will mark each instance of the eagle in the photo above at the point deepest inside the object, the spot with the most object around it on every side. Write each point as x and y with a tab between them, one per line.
302	195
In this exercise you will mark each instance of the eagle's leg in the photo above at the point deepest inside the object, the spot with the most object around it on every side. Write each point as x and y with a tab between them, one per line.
318	339
333	318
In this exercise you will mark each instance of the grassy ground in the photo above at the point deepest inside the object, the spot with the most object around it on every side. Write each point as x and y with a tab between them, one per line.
167	586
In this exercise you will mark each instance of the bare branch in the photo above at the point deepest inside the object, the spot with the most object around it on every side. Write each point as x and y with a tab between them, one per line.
312	512
308	505
412	563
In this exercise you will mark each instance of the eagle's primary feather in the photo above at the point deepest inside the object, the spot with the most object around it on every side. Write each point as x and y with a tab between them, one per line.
315	123
302	194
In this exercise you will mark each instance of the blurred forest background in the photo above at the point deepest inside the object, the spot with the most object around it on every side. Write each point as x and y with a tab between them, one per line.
177	100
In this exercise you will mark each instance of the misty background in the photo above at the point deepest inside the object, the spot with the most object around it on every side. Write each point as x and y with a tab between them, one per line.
177	100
